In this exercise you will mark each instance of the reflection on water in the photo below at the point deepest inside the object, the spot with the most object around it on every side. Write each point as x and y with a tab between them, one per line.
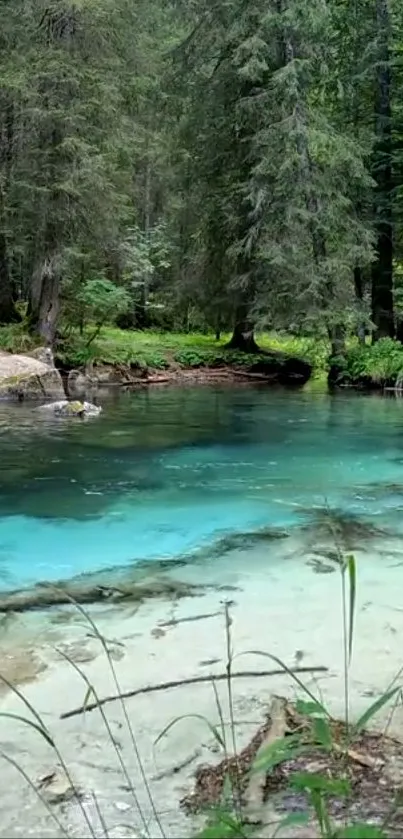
165	472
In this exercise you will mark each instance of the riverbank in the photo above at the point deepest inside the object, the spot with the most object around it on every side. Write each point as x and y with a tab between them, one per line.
126	356
117	355
177	640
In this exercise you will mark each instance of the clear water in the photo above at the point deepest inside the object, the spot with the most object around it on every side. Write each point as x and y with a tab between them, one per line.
165	472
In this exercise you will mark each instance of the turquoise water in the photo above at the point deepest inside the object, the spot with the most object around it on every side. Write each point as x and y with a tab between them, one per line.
165	472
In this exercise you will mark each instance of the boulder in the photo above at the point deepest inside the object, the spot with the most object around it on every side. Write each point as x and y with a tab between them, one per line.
64	408
43	354
78	383
24	377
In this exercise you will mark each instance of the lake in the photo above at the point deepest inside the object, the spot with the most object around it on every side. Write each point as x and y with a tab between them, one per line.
165	473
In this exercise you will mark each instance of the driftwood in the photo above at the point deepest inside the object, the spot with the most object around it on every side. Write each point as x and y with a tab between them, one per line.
254	794
43	596
196	680
173	770
176	621
260	376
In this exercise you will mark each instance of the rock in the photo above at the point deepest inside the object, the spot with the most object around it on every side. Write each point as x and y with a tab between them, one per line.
123	806
64	408
43	354
24	377
77	383
56	788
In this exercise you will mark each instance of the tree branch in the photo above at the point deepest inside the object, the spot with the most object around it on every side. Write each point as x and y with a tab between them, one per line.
196	680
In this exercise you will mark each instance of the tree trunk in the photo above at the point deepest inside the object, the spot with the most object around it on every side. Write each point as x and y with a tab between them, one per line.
8	312
359	296
382	270
58	26
44	303
142	315
243	338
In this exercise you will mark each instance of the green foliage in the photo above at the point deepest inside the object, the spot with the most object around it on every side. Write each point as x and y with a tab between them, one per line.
16	338
101	301
213	358
381	363
161	350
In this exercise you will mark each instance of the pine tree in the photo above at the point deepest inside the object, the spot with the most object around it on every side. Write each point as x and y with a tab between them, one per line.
278	173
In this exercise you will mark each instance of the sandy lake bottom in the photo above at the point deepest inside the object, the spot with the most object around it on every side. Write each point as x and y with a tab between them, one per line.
279	605
185	475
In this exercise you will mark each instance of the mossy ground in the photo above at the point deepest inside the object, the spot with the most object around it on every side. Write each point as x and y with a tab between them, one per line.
161	350
380	364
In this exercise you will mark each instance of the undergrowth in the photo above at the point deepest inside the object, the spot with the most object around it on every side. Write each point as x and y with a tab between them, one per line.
379	364
229	818
160	350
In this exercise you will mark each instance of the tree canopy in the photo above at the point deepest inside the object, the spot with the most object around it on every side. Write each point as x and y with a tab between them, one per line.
214	164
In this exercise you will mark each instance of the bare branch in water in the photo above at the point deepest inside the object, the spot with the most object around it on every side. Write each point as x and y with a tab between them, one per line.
242	674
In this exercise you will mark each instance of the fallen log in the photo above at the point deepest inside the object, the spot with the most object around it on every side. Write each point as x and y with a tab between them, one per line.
85	592
196	680
254	794
259	376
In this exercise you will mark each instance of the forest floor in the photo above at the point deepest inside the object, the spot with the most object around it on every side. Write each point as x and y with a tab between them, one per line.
165	350
171	354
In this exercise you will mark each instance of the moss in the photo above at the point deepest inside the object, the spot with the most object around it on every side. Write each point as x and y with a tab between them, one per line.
12	381
73	408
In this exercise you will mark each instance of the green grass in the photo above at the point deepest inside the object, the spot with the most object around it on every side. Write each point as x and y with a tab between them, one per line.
380	364
163	349
160	350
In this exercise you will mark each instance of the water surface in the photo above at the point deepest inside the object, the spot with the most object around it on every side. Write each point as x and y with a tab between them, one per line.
165	472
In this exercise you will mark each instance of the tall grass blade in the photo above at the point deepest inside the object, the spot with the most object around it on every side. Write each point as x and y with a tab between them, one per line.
222	824
220	715
39	728
100	815
293	819
292	675
112	668
279	752
89	695
42	798
23	698
212	728
105	721
352	578
373	709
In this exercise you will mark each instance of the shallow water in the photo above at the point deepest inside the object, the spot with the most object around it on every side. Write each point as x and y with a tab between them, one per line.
166	472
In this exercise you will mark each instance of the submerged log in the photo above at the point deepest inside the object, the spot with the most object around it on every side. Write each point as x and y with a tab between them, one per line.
196	680
85	592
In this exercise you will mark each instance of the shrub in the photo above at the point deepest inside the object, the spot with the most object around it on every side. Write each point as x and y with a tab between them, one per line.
381	363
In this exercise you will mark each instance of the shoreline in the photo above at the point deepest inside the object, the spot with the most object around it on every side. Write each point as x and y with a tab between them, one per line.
125	376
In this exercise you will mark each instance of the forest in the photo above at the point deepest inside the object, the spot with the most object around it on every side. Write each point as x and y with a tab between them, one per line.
208	165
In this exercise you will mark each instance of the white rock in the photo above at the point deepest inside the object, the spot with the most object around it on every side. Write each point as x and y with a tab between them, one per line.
23	377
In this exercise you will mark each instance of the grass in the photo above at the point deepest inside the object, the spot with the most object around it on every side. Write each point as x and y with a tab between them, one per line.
325	792
159	350
379	365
